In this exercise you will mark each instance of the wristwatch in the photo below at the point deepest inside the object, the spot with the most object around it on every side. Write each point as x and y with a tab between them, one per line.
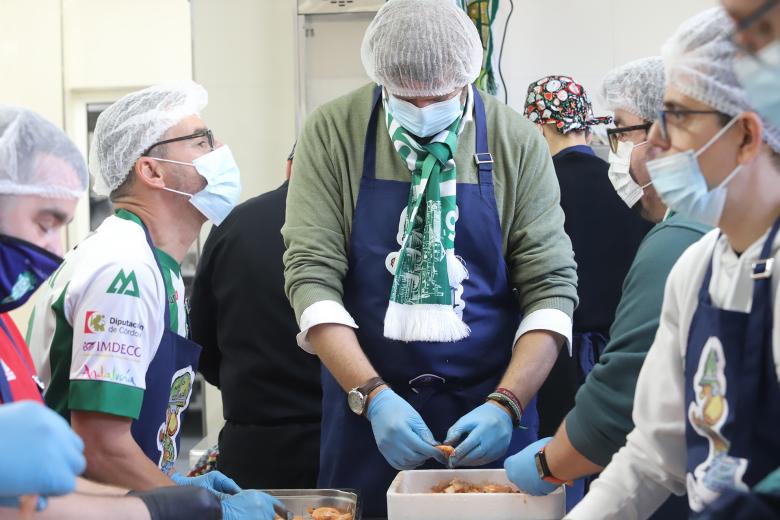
357	398
544	470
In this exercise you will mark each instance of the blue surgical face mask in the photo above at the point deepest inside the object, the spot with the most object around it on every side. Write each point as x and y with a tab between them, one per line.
23	268
223	190
426	121
760	75
679	182
619	173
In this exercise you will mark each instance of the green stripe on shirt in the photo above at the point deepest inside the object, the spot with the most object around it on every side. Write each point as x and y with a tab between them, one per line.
106	397
56	395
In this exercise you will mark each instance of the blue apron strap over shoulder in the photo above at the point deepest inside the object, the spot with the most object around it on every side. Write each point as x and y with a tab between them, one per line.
483	158
169	381
369	156
758	333
5	386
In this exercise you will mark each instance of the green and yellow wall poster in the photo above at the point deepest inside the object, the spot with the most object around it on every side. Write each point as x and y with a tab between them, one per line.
483	13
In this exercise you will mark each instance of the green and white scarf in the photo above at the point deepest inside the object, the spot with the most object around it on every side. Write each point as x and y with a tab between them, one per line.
421	306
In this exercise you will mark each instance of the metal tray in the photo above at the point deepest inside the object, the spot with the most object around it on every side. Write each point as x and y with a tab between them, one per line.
298	501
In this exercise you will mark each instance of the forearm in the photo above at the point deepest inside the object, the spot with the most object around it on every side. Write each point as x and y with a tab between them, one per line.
88	487
114	458
125	466
91	507
533	357
565	462
338	348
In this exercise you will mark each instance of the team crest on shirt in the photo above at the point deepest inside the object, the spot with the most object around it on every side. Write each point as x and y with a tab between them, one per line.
707	416
181	390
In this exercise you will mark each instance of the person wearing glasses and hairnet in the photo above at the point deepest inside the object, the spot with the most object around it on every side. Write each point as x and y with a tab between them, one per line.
426	258
596	427
118	363
707	402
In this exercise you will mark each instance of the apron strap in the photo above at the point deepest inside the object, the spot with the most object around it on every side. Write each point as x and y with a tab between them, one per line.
757	350
5	386
167	318
483	158
704	289
369	148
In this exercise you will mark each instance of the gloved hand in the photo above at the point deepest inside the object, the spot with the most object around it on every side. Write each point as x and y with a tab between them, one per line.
488	430
214	481
249	504
43	456
521	470
400	433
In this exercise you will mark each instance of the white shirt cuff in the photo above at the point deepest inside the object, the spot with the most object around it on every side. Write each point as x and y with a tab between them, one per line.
551	320
325	311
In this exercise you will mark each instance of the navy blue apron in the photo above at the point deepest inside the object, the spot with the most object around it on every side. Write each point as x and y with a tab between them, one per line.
442	381
169	381
732	394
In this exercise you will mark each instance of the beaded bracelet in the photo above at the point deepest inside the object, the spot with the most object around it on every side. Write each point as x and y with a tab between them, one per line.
514	411
512	396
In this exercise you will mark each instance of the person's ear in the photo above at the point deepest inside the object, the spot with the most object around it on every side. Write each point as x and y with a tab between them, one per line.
752	137
149	172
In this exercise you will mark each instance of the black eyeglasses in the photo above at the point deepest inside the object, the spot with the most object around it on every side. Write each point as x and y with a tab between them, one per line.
613	134
663	118
750	20
202	133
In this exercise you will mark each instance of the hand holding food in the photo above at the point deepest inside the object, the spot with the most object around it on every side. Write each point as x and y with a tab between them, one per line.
487	430
400	433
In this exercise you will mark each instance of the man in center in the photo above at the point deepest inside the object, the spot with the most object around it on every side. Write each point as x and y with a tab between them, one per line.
426	258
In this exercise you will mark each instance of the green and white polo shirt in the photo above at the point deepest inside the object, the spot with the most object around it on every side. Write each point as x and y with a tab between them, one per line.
100	319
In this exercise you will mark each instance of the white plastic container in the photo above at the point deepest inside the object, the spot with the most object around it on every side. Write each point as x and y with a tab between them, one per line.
410	498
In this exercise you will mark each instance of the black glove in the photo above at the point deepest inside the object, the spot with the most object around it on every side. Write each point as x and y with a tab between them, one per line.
180	503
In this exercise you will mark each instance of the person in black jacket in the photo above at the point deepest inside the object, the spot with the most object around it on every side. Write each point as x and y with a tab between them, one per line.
605	234
240	315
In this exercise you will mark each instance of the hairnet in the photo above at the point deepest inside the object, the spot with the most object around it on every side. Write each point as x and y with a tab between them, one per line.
699	63
134	123
37	158
418	48
637	87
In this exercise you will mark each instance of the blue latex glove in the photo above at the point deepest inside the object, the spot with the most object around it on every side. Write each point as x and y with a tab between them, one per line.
214	481
400	433
249	504
43	456
488	431
521	470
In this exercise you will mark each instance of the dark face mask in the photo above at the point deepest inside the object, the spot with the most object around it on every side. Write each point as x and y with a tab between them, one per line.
23	268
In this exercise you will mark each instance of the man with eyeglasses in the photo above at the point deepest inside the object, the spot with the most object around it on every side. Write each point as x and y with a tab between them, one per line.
119	364
758	68
596	428
706	406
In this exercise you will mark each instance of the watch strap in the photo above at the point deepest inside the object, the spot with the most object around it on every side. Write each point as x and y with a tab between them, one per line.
370	385
545	473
